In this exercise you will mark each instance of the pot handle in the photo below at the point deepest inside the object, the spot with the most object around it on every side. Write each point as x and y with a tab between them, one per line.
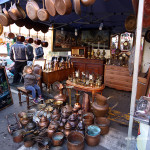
114	106
109	97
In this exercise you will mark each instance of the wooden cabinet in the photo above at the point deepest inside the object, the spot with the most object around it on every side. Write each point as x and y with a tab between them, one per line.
117	77
95	66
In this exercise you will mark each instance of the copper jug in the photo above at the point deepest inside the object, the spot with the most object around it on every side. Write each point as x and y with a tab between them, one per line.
60	96
68	108
50	131
100	107
44	122
86	103
73	121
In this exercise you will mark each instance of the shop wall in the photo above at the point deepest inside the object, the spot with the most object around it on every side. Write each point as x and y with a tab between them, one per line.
146	57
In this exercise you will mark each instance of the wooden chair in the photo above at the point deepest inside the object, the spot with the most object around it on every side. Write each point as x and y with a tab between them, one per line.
22	91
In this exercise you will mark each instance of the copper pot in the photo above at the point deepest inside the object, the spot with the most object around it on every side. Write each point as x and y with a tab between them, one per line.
37	41
100	110
25	120
88	2
75	141
17	136
92	135
60	96
29	39
58	138
103	124
28	140
44	122
88	119
32	9
63	7
44	44
51	7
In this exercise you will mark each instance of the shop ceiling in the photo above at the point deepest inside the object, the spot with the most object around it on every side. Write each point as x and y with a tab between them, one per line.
112	13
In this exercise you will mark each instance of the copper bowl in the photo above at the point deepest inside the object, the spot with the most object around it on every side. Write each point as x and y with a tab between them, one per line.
92	135
103	124
75	141
88	119
58	138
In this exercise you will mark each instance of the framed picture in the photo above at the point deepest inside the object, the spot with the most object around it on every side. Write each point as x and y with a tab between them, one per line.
64	42
95	38
5	92
41	62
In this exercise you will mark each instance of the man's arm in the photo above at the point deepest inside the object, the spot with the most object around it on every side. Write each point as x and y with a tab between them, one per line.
11	54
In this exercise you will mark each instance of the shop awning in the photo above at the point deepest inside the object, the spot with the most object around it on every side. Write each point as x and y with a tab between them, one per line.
4	1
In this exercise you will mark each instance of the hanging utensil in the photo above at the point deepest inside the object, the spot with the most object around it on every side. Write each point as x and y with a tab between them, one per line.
20	37
49	4
63	7
3	18
32	9
37	41
10	34
11	21
130	23
16	12
44	43
29	39
88	2
43	14
77	6
1	29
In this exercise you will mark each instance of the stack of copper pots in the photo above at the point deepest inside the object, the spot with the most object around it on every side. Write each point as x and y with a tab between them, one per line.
100	107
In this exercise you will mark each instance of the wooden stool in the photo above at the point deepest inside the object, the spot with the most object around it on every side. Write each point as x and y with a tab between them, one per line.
23	91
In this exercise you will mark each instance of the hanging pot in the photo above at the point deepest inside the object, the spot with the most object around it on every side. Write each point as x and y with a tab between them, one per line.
28	24
20	38
88	2
44	28
32	9
16	12
10	34
130	23
29	39
44	43
3	18
51	7
63	7
43	14
37	41
20	22
77	6
1	29
11	21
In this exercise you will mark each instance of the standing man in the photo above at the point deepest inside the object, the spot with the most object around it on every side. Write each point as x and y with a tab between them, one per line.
29	53
18	54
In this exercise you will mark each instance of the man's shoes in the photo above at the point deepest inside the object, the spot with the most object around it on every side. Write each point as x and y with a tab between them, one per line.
35	101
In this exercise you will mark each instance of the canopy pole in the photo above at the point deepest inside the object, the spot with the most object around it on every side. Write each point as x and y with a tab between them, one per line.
136	68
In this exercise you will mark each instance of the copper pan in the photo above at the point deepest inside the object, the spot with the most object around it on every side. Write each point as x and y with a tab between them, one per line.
44	43
36	26
37	41
31	9
11	21
16	12
28	24
49	4
63	7
3	18
1	29
43	14
77	6
29	39
10	34
44	28
88	2
20	22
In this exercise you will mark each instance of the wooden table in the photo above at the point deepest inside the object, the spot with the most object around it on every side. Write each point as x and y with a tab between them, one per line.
59	75
93	90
